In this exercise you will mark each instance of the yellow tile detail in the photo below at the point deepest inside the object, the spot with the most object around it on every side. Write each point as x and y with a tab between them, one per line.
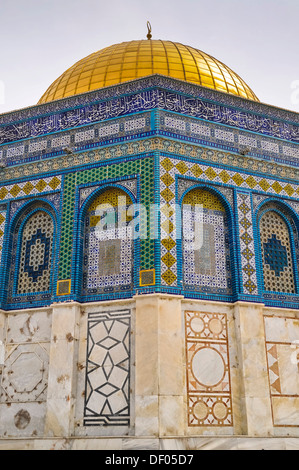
203	197
54	183
238	179
169	277
289	190
167	164
41	185
264	184
15	190
168	243
3	193
211	174
167	194
196	170
277	187
168	259
167	179
251	182
182	167
225	177
28	188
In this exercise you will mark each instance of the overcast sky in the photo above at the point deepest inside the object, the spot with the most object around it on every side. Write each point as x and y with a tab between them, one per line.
40	39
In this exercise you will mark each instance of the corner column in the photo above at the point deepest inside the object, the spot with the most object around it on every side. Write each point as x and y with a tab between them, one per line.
254	390
62	367
159	347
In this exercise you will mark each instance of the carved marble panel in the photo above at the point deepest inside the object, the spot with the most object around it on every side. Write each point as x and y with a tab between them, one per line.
208	375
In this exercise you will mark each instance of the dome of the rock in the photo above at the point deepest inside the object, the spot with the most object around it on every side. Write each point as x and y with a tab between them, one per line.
135	59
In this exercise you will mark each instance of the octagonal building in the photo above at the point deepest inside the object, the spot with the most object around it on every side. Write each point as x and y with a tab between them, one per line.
149	249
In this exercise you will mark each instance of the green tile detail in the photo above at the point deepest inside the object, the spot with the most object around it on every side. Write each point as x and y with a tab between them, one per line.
143	167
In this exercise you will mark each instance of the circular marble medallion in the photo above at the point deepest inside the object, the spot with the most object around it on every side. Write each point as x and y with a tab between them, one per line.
208	367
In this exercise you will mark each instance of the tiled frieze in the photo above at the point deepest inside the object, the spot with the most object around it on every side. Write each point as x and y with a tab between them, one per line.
131	149
75	139
209	398
30	188
135	97
234	139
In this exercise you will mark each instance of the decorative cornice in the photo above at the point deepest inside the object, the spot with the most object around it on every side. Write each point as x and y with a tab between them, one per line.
145	94
140	148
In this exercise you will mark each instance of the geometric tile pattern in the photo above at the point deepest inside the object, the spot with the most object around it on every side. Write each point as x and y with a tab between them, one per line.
208	376
17	204
206	267
108	246
276	254
282	350
30	260
246	240
2	229
31	188
169	169
107	386
96	175
130	184
34	273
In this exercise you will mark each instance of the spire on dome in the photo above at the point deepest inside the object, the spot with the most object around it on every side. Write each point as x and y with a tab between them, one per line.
149	29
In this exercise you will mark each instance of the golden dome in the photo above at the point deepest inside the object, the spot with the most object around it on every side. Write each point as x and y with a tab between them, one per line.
135	59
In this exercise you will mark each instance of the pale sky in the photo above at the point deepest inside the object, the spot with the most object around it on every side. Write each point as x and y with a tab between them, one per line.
40	39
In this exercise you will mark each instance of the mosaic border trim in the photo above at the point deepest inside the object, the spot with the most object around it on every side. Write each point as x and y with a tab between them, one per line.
162	92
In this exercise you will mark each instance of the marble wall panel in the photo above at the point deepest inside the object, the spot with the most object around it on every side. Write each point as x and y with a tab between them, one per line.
282	348
208	370
24	380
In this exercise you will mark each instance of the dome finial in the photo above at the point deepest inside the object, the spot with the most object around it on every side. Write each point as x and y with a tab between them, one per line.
149	29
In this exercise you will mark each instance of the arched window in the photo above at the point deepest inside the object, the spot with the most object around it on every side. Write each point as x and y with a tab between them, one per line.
206	263
108	244
31	255
277	253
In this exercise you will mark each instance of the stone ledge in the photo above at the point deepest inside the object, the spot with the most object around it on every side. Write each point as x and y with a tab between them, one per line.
154	444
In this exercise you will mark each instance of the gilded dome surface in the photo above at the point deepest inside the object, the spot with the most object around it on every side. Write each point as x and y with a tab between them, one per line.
135	59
